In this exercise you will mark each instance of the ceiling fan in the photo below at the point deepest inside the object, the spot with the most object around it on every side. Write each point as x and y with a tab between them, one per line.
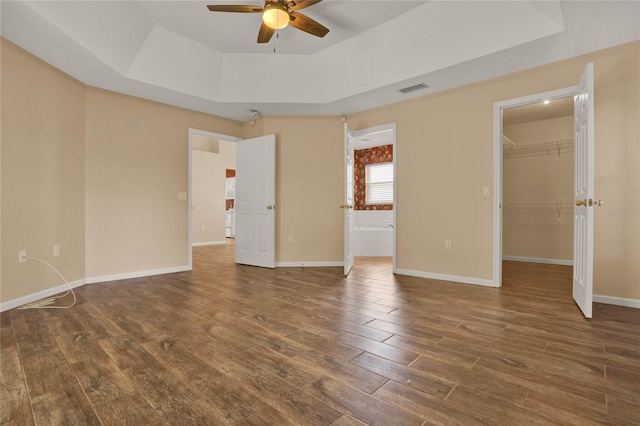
277	14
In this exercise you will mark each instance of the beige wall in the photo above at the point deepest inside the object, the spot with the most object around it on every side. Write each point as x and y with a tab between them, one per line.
137	162
617	172
208	182
444	157
1	44
94	171
253	128
43	115
538	231
309	187
124	160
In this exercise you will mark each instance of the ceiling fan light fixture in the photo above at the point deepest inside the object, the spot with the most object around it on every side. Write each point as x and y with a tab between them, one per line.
275	16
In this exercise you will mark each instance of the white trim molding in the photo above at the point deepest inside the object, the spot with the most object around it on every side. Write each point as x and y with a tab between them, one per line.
138	274
209	243
619	301
539	260
5	306
445	277
308	264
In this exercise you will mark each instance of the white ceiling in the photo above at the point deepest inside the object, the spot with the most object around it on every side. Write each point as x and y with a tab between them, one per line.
237	32
538	111
181	54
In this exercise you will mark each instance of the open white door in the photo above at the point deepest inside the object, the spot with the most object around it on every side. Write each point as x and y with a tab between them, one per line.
583	194
255	201
348	199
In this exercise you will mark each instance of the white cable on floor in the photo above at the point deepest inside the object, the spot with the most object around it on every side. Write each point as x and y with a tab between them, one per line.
44	303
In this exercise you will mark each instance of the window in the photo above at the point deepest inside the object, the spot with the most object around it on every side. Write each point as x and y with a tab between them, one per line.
379	183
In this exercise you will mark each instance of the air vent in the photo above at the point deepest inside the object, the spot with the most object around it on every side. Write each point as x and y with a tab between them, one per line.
413	88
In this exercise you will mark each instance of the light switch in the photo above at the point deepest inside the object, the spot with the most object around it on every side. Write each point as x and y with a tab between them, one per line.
182	196
486	191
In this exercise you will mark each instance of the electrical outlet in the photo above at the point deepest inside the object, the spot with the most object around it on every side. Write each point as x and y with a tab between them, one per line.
447	244
486	191
290	238
56	250
182	196
202	227
22	256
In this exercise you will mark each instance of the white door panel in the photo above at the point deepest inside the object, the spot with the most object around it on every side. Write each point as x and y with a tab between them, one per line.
349	200
583	194
255	201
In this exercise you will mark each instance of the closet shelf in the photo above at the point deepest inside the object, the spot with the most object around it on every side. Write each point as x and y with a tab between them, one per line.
547	148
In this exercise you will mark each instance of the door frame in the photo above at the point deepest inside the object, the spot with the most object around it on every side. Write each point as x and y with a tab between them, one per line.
498	166
206	134
378	129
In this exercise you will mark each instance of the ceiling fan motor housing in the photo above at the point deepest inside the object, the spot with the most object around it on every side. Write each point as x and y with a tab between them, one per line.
275	16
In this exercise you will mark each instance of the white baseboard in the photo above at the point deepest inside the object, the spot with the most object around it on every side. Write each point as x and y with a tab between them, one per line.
208	243
5	306
307	264
138	274
619	301
444	277
539	260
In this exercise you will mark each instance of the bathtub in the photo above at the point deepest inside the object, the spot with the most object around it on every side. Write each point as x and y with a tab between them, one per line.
372	240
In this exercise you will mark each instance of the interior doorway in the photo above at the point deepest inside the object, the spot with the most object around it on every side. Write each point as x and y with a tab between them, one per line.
537	198
537	182
518	111
210	155
373	217
582	200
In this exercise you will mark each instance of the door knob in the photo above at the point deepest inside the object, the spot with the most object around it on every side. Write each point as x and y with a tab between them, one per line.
271	207
342	206
589	202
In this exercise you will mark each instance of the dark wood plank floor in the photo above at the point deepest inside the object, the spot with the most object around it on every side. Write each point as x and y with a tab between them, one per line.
230	344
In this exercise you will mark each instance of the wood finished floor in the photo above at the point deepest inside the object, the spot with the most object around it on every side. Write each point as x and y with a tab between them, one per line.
231	344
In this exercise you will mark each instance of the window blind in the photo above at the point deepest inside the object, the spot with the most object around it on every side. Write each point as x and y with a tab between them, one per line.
379	183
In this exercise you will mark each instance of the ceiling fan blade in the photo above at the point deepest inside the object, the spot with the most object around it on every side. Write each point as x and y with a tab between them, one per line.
234	8
307	25
265	33
301	4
